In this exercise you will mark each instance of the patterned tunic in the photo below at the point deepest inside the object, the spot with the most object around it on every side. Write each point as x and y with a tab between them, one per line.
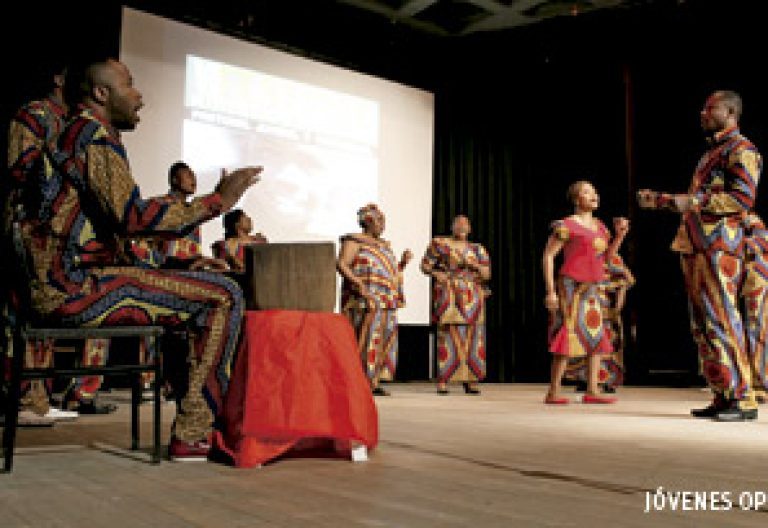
34	129
711	243
458	309
91	207
577	328
32	136
173	252
375	320
233	251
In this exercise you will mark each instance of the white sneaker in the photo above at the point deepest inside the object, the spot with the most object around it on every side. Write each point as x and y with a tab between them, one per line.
28	418
61	415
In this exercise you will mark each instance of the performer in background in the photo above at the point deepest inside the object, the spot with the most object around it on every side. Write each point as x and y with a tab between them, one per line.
184	252
613	294
237	236
460	270
577	328
33	131
711	243
754	296
371	293
179	252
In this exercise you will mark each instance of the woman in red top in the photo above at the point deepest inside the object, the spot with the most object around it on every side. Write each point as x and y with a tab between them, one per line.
573	300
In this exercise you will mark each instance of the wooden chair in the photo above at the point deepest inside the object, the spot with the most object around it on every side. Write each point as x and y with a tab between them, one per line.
25	330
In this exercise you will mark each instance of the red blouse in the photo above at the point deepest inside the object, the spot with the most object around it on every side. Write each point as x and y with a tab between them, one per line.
584	249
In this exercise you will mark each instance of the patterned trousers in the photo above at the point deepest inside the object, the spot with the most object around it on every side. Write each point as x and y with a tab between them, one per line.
376	332
712	281
207	304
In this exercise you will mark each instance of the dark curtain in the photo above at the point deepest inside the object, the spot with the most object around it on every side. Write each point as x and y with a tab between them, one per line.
508	144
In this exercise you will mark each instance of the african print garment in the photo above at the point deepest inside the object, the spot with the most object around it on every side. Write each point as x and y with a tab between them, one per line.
375	319
711	244
611	374
94	207
233	251
458	309
33	133
577	328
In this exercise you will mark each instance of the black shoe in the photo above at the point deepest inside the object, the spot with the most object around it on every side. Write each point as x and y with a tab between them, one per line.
734	414
608	389
92	407
469	389
378	391
710	411
442	391
581	386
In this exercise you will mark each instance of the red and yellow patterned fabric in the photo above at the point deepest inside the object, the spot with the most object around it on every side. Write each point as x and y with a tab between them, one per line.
375	320
458	309
712	244
577	328
168	252
754	293
722	191
617	281
232	251
33	133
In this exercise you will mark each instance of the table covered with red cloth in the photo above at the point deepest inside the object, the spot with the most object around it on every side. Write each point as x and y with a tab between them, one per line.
297	376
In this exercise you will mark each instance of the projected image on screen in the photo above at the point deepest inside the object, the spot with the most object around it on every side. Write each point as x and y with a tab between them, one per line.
319	147
330	139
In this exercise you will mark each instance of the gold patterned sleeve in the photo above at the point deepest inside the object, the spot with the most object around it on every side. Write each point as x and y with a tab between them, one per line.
113	186
26	136
736	193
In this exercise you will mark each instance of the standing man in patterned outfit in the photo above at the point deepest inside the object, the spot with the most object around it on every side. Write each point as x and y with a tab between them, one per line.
711	241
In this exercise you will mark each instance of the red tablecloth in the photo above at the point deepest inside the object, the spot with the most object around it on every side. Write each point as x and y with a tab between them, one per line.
297	376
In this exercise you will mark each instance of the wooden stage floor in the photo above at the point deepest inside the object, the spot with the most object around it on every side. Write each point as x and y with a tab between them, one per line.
501	459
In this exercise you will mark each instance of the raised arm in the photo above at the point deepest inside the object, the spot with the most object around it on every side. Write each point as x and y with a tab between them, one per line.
734	195
98	165
621	228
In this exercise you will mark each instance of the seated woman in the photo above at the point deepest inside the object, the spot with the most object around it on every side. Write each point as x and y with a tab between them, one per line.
237	235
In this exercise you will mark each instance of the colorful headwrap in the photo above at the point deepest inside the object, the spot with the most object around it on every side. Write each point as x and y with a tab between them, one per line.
366	213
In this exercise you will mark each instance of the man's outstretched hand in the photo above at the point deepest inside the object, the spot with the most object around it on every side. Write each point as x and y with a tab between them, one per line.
233	185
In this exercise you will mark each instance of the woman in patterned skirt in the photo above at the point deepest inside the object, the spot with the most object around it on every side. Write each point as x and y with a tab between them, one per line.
576	327
613	293
460	269
371	293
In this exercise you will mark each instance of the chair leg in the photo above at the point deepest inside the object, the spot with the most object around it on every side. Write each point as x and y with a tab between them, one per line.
135	402
12	403
158	404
